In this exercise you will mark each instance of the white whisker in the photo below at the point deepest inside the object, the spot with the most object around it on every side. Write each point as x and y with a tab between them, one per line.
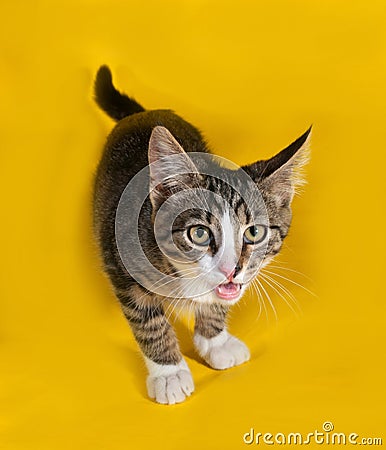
261	299
291	281
268	298
290	270
284	289
280	294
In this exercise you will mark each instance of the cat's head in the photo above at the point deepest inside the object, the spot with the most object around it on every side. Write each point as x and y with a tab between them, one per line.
217	226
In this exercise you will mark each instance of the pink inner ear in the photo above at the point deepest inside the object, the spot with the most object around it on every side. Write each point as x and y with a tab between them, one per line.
167	161
167	157
162	143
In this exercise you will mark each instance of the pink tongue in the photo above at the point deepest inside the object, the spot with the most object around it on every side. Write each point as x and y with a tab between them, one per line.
228	291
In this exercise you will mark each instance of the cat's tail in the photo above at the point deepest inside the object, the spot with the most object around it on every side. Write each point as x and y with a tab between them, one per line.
115	104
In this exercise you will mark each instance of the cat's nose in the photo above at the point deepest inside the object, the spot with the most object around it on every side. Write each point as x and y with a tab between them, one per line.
228	271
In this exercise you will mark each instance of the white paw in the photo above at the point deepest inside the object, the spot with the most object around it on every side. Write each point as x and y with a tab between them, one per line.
170	389
169	384
222	351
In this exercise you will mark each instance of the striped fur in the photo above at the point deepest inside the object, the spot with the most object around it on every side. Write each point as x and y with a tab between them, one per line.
141	137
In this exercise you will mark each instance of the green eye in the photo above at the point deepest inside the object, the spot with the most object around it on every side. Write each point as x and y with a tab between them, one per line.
200	235
255	234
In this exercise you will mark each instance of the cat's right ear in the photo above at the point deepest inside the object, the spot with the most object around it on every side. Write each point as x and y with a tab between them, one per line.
280	175
171	169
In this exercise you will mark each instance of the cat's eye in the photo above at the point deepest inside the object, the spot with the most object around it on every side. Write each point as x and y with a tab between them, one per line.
200	235
255	234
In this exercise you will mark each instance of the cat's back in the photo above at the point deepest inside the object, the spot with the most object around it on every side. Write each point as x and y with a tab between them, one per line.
126	153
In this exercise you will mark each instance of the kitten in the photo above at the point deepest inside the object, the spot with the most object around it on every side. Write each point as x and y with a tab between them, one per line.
177	225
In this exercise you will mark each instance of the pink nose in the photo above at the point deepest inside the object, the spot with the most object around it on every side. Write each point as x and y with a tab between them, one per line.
228	271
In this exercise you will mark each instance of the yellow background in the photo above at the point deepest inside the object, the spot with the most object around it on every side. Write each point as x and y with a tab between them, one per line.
253	75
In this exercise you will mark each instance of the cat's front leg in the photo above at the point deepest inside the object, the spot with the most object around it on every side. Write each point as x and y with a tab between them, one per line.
169	383
169	380
215	345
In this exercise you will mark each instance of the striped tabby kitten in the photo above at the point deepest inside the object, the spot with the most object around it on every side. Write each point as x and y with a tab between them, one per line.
177	225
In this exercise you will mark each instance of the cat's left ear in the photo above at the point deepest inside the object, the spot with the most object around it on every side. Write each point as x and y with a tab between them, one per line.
280	175
171	169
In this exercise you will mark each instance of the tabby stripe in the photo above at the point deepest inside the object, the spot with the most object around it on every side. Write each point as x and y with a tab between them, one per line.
239	204
149	338
210	320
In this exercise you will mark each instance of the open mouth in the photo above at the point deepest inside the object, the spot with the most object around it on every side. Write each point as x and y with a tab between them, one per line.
228	291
